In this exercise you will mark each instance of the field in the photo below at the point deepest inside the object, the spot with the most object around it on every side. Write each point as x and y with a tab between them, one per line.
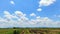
29	30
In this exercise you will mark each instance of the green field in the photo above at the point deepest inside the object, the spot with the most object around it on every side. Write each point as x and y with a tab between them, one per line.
29	30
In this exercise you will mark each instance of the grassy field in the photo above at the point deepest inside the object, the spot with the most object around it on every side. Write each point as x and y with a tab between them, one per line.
29	30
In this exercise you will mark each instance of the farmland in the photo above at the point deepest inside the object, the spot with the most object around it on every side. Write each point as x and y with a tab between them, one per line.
29	30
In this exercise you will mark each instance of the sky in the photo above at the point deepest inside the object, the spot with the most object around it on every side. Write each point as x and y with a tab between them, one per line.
29	13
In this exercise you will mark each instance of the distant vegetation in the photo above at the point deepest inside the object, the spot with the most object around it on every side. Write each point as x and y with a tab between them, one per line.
29	30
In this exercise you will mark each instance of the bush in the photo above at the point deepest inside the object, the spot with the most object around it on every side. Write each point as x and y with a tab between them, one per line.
16	32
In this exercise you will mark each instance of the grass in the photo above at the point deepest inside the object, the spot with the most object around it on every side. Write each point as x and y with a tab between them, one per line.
27	30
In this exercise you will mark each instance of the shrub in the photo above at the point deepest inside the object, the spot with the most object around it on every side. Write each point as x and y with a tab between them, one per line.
16	32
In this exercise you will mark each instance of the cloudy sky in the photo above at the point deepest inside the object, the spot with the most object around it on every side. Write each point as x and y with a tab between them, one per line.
29	13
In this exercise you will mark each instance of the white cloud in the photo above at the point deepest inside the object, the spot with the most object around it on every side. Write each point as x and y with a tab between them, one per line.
32	14
39	9
12	2
32	22
9	16
46	2
19	19
6	13
19	13
38	17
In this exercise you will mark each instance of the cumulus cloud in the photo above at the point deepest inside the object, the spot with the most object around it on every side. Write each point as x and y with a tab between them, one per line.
32	14
39	9
38	17
19	13
12	2
46	2
9	16
19	19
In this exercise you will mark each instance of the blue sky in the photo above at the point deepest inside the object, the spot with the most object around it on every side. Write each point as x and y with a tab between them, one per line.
29	13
